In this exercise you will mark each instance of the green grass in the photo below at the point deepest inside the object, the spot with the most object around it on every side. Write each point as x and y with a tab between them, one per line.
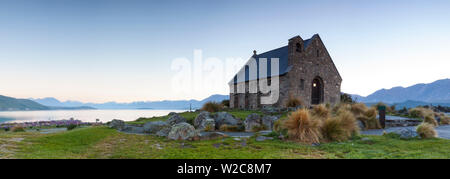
71	144
102	142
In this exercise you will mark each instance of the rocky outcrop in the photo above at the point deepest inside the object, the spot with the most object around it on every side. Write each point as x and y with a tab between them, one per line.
182	131
117	124
175	119
154	127
406	133
268	121
133	129
222	118
252	122
204	121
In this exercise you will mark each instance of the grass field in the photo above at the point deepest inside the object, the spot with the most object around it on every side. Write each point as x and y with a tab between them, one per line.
102	142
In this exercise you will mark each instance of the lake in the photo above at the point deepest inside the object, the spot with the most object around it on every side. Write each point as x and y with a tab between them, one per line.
83	115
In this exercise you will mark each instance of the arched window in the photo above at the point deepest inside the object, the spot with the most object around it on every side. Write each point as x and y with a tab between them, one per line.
298	47
318	53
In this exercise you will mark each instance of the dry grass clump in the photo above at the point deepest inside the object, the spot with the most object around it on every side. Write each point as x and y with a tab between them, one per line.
369	119
230	128
301	127
341	107
445	120
340	128
420	112
426	131
293	102
358	109
430	119
17	129
211	107
321	111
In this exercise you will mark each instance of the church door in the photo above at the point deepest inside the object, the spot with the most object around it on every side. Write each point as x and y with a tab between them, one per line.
317	91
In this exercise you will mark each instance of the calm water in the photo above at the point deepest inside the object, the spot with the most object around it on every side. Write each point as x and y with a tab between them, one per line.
83	115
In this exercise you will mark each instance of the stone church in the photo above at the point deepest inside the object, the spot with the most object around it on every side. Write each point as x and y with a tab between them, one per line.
306	72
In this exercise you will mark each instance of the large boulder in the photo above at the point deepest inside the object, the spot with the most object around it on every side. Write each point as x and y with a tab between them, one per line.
182	131
252	122
154	127
222	118
164	132
133	129
212	135
175	119
267	122
204	121
117	124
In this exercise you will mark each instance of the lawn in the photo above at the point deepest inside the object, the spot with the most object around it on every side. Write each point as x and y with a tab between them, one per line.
102	142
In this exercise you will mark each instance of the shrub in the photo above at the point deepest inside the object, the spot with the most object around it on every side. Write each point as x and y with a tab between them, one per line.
211	107
391	109
346	98
340	128
358	109
71	127
293	102
208	128
321	111
278	125
225	103
18	129
302	128
426	130
445	120
340	107
420	112
430	119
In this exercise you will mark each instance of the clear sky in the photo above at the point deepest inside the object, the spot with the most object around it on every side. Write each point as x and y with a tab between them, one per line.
98	51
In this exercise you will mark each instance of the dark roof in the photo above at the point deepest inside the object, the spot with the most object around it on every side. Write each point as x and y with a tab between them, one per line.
280	53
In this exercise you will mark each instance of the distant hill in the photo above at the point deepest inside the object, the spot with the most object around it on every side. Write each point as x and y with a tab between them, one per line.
13	104
166	104
436	92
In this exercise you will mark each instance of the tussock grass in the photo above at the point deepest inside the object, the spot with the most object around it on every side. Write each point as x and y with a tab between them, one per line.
302	128
358	109
369	118
17	129
212	107
230	128
445	120
420	112
340	128
294	102
321	111
430	119
426	131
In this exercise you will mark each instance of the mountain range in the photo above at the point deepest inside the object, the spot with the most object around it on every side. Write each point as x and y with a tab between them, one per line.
166	104
435	92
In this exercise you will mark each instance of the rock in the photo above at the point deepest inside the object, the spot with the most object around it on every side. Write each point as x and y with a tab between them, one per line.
133	129
263	138
117	124
172	113
182	131
175	119
252	122
164	132
267	122
406	133
269	110
366	139
212	136
222	118
154	127
204	121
